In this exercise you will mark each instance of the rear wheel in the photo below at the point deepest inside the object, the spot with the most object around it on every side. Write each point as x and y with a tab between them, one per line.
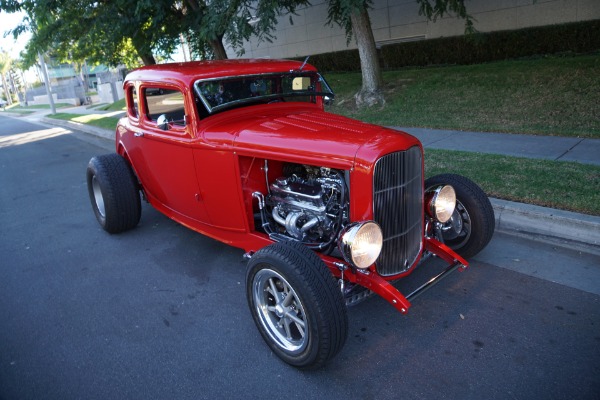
296	304
472	224
114	193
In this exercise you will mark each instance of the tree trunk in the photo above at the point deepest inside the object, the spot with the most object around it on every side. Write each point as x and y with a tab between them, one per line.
140	44
218	49
6	91
372	81
148	59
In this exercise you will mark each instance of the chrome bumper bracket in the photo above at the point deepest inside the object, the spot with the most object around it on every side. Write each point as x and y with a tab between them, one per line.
436	279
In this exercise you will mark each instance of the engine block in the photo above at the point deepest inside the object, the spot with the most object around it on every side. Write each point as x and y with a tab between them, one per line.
308	206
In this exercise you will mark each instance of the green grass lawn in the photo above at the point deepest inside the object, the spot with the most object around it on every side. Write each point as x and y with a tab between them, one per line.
557	96
17	109
546	96
116	106
47	106
556	184
99	120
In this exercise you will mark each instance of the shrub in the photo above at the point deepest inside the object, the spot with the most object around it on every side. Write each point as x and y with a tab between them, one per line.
577	37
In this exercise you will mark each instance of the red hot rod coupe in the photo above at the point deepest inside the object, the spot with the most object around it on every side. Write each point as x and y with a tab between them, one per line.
328	209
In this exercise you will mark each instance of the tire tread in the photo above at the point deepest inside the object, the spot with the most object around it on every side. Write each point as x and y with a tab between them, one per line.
323	291
119	189
484	217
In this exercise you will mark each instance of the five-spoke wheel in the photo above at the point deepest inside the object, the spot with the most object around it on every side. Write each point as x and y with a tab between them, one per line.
296	304
280	310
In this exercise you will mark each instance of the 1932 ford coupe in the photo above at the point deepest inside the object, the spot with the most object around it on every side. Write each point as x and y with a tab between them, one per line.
328	209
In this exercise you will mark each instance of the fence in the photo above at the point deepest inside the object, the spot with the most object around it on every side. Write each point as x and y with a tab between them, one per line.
69	91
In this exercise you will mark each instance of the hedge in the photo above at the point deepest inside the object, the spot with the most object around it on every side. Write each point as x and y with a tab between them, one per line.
577	37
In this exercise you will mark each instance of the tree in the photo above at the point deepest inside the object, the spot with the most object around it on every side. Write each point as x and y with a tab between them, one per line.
208	23
5	66
122	31
106	31
353	16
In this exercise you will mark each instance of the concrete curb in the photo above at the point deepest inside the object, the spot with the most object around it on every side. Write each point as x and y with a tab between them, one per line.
563	228
92	130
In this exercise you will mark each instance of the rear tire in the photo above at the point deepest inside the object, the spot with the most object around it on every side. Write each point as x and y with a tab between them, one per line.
114	193
472	224
296	304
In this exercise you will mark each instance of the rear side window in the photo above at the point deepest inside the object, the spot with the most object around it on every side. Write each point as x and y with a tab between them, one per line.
165	101
132	101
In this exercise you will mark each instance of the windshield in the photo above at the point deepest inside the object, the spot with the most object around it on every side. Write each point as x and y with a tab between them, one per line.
222	93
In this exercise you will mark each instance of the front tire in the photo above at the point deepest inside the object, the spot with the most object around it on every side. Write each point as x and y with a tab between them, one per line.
472	224
296	304
114	193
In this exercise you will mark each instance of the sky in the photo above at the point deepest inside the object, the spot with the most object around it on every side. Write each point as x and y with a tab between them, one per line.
8	22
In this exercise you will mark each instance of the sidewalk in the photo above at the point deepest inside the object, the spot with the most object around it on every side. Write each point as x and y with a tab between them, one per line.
563	228
586	151
557	148
569	229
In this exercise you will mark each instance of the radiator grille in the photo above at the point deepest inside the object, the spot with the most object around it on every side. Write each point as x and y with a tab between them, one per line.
398	208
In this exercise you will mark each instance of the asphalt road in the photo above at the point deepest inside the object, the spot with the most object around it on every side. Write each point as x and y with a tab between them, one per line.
160	312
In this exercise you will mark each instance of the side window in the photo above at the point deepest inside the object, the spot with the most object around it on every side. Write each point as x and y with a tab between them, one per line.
132	102
165	101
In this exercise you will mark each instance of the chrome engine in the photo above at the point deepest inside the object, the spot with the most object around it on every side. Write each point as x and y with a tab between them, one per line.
307	204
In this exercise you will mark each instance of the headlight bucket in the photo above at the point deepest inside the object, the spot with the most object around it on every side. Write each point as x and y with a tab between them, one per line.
441	202
360	243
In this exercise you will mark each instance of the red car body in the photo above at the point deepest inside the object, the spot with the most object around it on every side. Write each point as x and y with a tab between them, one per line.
205	172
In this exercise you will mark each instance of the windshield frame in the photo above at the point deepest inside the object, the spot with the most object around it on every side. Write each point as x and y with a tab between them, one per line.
326	90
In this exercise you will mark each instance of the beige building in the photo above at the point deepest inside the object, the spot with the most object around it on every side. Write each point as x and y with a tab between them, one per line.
395	21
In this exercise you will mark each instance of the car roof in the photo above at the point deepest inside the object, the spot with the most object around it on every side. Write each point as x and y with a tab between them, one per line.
189	72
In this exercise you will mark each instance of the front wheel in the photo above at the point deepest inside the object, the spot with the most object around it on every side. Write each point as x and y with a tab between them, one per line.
296	304
472	224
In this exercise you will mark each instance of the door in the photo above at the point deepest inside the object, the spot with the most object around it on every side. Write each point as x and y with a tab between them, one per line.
163	156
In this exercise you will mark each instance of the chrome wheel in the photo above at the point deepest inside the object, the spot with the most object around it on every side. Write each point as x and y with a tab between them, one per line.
472	224
457	231
99	200
296	304
280	311
114	192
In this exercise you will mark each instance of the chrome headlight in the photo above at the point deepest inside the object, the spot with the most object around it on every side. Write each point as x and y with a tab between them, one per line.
442	202
360	243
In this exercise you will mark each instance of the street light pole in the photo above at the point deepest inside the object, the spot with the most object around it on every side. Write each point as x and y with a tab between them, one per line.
47	82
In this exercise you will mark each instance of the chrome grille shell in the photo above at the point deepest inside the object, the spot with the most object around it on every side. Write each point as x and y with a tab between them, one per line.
398	208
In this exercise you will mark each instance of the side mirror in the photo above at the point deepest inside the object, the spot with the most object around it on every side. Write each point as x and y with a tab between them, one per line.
162	122
301	83
328	100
